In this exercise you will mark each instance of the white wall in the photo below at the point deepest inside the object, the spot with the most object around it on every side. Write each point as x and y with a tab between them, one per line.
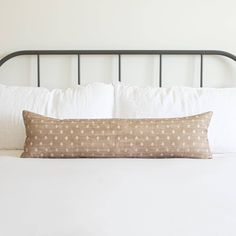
118	24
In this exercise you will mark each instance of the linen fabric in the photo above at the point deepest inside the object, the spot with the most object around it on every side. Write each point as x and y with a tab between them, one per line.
153	138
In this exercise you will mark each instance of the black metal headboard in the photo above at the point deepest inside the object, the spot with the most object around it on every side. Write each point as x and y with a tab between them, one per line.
119	54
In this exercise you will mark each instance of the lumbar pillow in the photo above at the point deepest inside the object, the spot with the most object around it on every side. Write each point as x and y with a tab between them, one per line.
153	102
153	138
88	101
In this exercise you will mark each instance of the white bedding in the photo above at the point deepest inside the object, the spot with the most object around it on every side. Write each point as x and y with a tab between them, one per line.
117	197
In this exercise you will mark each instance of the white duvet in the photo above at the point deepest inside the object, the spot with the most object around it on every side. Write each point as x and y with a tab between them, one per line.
117	197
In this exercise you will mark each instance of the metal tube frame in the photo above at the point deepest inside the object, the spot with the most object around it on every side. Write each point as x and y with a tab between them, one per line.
119	53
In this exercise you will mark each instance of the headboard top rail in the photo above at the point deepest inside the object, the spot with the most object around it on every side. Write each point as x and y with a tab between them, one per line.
117	52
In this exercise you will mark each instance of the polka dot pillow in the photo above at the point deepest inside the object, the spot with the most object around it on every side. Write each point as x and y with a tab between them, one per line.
104	138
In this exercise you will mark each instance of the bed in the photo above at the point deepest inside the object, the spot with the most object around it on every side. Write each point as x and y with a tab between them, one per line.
47	197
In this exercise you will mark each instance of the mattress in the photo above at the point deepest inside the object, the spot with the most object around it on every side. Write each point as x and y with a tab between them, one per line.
88	197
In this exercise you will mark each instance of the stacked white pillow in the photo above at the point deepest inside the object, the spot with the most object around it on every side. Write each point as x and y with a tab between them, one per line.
151	102
91	101
99	100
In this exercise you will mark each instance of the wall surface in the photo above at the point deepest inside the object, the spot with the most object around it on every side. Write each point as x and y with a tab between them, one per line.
118	24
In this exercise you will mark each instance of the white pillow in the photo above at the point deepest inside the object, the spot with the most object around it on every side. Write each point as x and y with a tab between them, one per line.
151	102
90	101
94	100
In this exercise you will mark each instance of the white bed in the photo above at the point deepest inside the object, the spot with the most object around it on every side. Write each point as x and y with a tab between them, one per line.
117	196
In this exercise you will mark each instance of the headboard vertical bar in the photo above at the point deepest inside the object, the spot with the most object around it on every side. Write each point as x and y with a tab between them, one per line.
119	68
38	70
160	71
78	69
201	71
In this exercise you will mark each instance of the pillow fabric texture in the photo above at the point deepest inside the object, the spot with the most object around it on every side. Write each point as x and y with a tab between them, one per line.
139	138
90	101
153	102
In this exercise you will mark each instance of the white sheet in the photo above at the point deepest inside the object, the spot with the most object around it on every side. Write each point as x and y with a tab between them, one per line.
114	197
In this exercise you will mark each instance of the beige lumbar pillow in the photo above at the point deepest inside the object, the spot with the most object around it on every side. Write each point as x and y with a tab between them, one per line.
151	138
